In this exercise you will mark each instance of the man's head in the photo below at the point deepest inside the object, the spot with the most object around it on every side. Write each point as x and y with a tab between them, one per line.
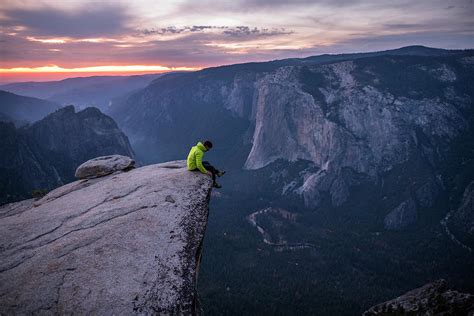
208	144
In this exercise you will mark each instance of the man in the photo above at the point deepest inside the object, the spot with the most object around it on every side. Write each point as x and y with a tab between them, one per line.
195	162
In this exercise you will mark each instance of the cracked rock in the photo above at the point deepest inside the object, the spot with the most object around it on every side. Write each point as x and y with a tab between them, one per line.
170	199
402	216
106	248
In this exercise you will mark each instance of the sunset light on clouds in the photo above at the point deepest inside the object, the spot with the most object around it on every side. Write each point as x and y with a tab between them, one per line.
67	38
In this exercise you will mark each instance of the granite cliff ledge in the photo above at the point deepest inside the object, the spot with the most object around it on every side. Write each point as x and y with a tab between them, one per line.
129	242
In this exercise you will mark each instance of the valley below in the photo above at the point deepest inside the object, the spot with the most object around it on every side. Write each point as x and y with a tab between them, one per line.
349	267
270	223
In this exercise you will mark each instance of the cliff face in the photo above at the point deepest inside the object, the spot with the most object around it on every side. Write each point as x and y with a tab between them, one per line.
126	243
365	116
45	155
461	220
80	136
349	114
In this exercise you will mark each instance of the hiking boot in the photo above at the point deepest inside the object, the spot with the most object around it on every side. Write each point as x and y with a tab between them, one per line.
220	173
217	185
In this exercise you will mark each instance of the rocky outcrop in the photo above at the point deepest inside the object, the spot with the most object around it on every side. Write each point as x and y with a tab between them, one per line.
462	219
402	216
431	299
86	132
46	154
126	243
101	166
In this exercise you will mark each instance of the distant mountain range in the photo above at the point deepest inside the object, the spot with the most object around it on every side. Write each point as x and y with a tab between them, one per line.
22	110
45	155
97	91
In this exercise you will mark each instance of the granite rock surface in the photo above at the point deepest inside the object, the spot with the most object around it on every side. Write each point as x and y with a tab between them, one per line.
121	244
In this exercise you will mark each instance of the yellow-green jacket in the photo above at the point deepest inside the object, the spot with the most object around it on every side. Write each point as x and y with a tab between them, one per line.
195	158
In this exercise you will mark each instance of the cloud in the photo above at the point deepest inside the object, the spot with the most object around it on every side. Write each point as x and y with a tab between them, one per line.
232	31
402	26
93	69
205	33
99	20
245	31
179	30
263	5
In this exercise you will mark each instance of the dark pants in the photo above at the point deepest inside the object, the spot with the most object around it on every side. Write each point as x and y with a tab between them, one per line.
210	168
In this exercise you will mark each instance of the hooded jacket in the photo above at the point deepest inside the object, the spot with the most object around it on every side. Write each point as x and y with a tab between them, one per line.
195	158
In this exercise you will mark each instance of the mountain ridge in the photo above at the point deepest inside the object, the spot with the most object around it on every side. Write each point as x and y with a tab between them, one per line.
45	154
23	109
98	91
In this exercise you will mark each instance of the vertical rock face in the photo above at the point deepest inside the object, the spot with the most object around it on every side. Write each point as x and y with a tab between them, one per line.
431	299
125	243
45	155
462	219
366	115
330	115
402	216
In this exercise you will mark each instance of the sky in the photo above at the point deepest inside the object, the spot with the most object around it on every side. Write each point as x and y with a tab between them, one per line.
54	39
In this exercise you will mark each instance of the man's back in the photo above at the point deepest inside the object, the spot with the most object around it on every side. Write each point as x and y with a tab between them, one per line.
195	158
194	162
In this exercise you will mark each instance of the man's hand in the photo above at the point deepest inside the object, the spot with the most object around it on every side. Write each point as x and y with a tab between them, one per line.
209	173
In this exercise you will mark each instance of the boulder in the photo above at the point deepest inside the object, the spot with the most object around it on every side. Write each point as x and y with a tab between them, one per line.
101	166
431	299
126	243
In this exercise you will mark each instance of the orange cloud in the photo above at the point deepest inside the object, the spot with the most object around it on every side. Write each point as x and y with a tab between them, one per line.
97	69
64	40
47	41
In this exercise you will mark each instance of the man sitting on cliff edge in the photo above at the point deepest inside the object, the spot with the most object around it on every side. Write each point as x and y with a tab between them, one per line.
195	162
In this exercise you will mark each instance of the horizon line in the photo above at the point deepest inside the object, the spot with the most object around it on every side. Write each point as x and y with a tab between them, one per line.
131	70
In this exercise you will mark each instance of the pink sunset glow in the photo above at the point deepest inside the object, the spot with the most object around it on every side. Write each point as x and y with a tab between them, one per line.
48	40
